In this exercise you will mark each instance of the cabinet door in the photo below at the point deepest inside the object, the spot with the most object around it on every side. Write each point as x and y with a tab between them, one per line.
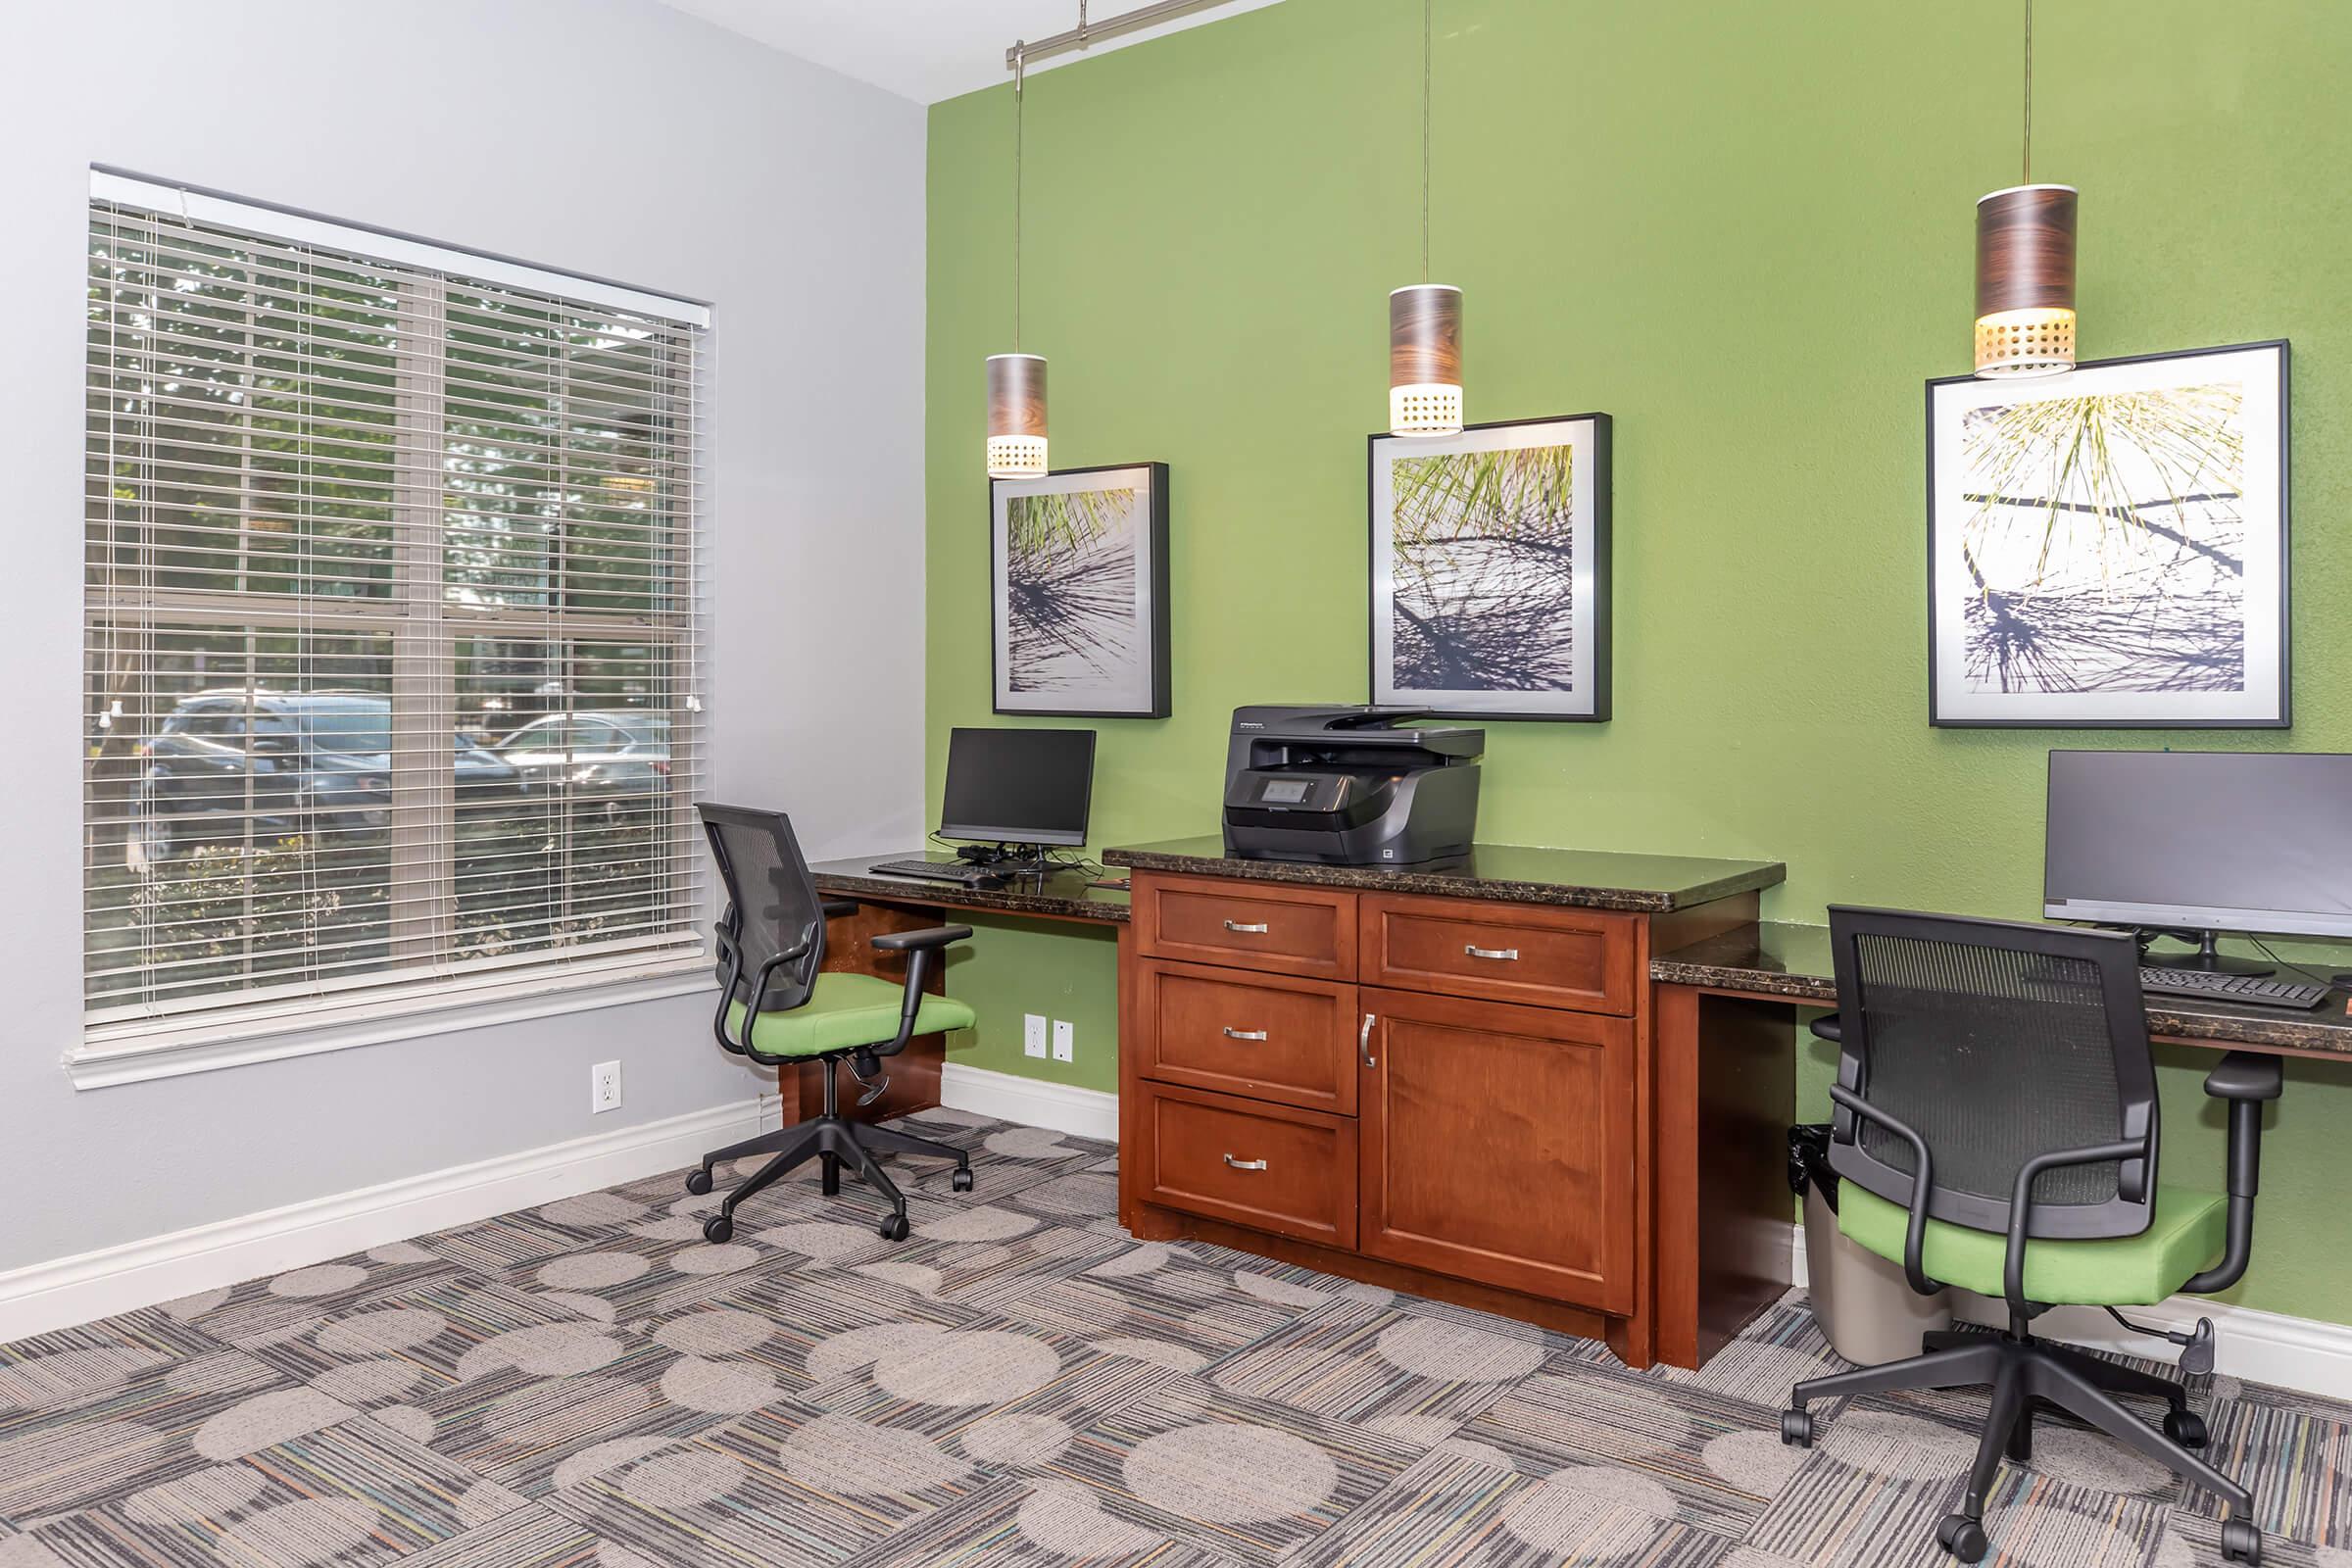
1498	1145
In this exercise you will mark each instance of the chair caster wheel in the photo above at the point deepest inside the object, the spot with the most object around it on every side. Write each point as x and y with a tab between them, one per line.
1797	1429
1962	1537
718	1229
698	1182
893	1229
961	1181
2240	1541
2185	1427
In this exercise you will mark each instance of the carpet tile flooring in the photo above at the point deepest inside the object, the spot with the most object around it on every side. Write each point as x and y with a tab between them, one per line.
1018	1385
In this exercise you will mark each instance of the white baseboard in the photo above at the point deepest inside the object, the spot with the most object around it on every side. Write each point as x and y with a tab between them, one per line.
66	1291
1031	1102
2289	1352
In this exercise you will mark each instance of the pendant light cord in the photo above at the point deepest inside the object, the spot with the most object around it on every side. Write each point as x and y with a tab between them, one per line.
1020	62
1428	54
2028	170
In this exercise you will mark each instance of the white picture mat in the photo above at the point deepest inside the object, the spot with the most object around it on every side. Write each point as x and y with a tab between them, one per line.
1136	691
1577	434
2256	373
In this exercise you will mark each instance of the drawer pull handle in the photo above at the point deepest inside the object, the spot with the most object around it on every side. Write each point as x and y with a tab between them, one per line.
1231	1033
1507	954
1363	1041
1257	930
1244	1164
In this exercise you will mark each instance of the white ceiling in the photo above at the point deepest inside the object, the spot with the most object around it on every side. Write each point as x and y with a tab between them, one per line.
927	50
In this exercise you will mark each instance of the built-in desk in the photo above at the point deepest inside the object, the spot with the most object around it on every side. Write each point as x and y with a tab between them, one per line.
1441	1081
1725	1004
888	903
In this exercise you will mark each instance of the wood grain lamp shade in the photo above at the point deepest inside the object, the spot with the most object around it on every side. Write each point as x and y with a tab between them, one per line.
1017	415
2025	281
1425	359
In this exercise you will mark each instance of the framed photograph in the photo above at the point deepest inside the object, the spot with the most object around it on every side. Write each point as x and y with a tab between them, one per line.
1079	589
1490	570
2108	548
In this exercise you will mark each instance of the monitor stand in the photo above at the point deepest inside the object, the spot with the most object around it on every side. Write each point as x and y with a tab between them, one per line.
2207	958
1007	859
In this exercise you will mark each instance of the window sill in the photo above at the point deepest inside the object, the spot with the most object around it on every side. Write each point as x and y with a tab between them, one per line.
101	1067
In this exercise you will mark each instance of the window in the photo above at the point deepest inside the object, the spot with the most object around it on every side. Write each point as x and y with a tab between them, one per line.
367	522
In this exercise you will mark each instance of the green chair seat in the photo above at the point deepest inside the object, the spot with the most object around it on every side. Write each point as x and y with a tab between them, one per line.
2184	1235
844	1011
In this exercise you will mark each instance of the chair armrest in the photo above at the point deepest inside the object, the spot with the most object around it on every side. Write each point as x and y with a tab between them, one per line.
840	908
1922	1168
2245	1079
2246	1075
921	941
1827	1027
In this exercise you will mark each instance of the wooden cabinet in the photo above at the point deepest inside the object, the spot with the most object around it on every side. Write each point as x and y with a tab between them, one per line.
1446	1095
1499	1145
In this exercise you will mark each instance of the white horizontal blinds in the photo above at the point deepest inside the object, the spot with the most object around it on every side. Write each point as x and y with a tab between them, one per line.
393	627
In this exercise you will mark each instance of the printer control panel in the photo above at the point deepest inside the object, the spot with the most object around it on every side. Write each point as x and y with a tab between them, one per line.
1279	790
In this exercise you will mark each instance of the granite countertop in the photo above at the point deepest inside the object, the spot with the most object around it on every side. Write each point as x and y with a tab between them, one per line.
1593	880
1782	959
1064	896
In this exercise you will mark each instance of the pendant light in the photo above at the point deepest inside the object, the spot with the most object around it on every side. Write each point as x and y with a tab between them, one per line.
1425	320
2026	265
1017	382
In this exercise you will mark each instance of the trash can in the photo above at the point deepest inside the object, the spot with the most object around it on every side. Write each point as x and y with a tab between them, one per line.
1862	1301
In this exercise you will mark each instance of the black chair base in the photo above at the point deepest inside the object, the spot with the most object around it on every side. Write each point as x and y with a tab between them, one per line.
2021	1371
838	1142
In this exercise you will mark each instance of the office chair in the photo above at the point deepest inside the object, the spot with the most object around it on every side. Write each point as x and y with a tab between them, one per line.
776	1006
1995	1127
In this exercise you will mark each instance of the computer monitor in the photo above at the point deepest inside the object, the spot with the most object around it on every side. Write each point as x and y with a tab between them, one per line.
2201	842
1019	786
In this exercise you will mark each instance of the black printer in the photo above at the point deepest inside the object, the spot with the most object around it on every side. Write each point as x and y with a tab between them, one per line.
1349	786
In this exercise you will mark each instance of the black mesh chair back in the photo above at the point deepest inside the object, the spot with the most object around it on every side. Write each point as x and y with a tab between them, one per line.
776	918
1995	1042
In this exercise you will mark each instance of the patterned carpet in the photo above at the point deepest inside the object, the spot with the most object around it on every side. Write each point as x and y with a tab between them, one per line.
589	1385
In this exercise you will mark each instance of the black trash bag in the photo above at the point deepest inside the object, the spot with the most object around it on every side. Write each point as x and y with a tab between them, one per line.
1809	1162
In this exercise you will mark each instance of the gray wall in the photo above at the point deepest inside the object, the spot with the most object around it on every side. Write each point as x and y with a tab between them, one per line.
607	137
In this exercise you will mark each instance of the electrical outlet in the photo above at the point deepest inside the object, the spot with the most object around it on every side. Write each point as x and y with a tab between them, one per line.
604	1087
1033	1034
1065	1039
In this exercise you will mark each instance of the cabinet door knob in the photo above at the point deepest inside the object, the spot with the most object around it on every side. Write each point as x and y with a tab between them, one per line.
1507	954
1244	1164
1363	1041
1231	1033
1259	929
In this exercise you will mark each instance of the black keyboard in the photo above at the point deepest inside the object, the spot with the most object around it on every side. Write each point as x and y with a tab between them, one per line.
958	871
2204	984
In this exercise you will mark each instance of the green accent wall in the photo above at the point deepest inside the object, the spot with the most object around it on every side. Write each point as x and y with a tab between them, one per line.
1746	231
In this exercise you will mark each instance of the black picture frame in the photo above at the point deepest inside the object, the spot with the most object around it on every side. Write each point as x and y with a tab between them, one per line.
1590	700
1151	568
2278	714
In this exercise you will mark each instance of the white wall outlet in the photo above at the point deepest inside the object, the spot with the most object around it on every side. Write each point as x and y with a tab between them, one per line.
1065	1039
604	1087
1033	1034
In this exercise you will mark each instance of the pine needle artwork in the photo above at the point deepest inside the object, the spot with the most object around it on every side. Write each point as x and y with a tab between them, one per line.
1079	621
2107	542
2108	547
1484	547
1070	590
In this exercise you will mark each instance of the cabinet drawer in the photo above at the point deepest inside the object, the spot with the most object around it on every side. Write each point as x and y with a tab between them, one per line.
1270	1167
1555	957
1257	926
1265	1036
